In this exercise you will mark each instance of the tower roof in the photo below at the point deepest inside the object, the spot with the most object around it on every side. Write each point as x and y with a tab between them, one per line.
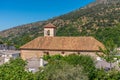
49	25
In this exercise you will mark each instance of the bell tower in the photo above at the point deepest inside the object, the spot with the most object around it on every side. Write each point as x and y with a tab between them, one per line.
49	30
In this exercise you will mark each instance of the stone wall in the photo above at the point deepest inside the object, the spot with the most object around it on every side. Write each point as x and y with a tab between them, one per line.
26	54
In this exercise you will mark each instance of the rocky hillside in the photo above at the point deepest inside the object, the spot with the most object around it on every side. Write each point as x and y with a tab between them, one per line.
100	14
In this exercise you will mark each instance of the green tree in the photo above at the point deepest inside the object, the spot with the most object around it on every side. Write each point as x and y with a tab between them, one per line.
109	53
101	74
86	62
15	70
68	30
60	70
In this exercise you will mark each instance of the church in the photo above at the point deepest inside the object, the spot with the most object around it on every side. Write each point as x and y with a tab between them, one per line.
50	44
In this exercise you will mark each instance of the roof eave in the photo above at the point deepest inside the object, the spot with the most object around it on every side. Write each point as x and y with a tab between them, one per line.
61	50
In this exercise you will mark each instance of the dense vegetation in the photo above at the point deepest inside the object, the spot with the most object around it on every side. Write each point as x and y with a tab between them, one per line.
72	67
105	34
15	70
99	20
68	31
102	34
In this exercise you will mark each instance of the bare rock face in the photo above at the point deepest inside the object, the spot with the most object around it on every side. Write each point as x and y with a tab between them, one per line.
106	1
102	2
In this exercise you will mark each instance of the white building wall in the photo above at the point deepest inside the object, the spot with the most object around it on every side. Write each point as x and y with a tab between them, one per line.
51	30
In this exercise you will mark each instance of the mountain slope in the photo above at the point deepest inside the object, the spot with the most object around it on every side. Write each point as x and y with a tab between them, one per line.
97	14
100	14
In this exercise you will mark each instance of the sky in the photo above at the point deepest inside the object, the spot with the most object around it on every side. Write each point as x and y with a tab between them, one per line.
18	12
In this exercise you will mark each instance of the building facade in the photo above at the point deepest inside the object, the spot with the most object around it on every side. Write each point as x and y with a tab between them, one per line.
50	44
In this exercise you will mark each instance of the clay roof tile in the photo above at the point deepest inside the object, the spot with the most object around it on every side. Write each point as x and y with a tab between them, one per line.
64	43
49	25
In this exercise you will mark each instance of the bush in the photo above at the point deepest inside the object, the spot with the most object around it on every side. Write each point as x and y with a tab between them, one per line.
61	70
15	70
52	58
110	75
82	60
85	61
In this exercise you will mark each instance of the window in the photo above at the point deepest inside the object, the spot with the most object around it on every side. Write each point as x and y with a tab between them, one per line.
48	32
63	52
78	53
46	53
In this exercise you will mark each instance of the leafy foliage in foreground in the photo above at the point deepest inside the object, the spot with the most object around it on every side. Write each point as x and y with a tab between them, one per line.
61	70
86	62
87	65
15	70
72	67
107	75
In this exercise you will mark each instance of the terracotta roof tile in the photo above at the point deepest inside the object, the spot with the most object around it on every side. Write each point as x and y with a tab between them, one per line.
64	43
49	25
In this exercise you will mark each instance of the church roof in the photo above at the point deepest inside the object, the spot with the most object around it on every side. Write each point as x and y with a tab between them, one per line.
64	43
49	25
